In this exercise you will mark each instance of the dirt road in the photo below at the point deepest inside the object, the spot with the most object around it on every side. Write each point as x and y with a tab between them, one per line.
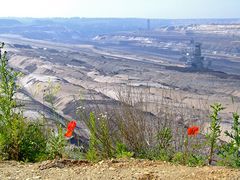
115	169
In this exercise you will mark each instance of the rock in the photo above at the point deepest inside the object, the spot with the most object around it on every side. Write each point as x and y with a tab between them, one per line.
37	177
101	162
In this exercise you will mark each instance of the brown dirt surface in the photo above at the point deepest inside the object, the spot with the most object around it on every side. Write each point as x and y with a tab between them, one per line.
112	169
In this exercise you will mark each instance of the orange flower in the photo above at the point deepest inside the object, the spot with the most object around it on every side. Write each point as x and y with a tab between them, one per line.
70	128
68	134
192	131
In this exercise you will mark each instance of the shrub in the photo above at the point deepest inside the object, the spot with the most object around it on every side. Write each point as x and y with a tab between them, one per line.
56	144
74	152
7	91
163	149
19	139
235	134
179	158
147	135
229	155
190	160
164	138
104	138
11	124
215	130
23	141
196	160
33	143
11	138
92	154
156	154
230	152
122	152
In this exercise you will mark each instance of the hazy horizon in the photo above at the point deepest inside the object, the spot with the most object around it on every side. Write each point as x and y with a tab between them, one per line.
153	9
59	17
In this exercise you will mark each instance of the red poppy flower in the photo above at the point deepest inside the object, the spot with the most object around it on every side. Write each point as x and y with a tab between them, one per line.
71	125
68	134
192	131
70	128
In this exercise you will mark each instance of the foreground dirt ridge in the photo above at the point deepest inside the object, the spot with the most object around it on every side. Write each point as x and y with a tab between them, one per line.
114	169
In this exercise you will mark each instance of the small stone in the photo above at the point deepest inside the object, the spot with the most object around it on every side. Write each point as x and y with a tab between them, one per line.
101	162
37	177
112	168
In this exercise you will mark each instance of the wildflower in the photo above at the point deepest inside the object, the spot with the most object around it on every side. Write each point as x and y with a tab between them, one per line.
71	125
68	134
192	131
70	128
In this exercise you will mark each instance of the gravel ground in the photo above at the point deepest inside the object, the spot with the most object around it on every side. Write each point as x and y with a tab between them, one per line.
114	169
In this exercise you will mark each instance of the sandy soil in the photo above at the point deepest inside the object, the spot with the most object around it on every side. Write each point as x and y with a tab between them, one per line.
115	169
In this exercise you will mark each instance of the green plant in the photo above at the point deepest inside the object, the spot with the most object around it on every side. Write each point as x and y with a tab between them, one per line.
23	141
8	89
11	138
215	130
56	144
154	153
104	138
122	152
12	124
190	160
163	146
179	158
235	134
163	149
19	139
230	152
74	152
195	160
164	138
92	154
33	143
229	155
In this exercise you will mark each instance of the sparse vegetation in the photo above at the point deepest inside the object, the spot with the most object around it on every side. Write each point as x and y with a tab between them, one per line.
230	152
215	130
33	143
56	144
19	139
92	153
122	152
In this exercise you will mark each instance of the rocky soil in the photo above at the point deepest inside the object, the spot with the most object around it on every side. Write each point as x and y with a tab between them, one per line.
114	169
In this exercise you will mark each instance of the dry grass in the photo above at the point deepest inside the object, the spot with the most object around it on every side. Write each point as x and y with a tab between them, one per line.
137	117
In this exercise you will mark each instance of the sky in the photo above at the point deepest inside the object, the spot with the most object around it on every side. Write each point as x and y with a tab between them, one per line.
173	9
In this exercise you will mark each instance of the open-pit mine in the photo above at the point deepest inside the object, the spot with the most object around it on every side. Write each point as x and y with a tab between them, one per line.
182	65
